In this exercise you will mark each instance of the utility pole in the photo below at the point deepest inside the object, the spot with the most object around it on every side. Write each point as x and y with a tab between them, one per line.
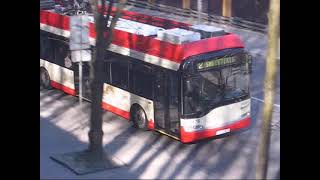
264	143
199	3
226	8
186	4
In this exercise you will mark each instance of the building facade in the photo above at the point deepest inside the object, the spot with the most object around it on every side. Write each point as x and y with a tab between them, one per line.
250	10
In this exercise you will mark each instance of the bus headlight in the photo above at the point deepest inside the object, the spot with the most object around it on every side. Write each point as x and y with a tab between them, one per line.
198	127
245	114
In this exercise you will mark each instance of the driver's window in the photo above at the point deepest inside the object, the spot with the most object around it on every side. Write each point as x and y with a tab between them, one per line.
192	86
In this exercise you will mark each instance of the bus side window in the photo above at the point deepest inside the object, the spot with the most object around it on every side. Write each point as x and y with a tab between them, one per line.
106	72
119	74
46	48
142	80
62	55
174	88
43	46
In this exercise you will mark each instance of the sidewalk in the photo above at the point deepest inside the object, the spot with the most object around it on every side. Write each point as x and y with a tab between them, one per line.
147	154
64	128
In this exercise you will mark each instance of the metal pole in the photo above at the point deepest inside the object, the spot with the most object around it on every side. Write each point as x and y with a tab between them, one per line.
199	11
186	4
226	8
80	81
80	73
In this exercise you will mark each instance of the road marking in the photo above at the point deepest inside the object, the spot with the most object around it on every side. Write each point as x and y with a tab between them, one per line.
276	105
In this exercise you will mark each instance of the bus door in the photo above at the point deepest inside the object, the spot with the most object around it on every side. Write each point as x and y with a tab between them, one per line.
161	101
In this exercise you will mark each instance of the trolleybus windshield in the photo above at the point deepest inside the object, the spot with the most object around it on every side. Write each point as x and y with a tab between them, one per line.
210	87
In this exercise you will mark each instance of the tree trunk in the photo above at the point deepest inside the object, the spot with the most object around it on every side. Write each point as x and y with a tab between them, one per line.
96	70
270	76
96	133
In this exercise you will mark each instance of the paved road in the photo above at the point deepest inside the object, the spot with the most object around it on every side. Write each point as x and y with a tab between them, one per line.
64	128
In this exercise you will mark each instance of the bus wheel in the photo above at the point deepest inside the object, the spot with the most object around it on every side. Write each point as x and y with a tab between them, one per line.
139	118
45	78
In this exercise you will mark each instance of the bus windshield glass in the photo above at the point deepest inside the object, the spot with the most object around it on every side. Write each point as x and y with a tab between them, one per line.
207	89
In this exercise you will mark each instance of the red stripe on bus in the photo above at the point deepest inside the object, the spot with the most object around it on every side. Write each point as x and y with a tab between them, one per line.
150	124
105	106
173	52
211	44
139	43
122	113
150	45
54	19
115	110
63	88
197	135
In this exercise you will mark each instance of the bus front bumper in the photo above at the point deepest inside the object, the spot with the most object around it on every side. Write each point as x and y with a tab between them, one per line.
187	137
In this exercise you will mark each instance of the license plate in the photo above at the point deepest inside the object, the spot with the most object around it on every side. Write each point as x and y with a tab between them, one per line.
222	131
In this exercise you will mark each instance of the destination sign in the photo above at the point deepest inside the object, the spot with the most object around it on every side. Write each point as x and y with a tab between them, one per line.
217	62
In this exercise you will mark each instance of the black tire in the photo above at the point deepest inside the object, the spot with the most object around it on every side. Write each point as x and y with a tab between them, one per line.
139	118
45	79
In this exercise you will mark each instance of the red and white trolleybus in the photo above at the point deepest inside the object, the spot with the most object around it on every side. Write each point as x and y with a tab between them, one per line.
190	82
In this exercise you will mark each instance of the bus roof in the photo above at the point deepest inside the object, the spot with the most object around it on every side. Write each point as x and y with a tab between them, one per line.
146	47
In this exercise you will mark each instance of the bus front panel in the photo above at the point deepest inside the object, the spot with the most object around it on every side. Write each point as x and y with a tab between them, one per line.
215	94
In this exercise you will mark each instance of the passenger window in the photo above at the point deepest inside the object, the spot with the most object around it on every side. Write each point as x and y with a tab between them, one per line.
142	80
62	55
46	49
174	88
106	72
119	74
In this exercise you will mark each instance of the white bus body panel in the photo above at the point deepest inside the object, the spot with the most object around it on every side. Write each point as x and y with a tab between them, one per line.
59	74
218	117
123	100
